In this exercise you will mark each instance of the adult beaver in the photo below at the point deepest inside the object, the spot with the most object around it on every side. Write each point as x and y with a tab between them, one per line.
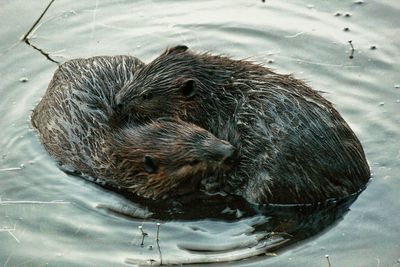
293	146
151	160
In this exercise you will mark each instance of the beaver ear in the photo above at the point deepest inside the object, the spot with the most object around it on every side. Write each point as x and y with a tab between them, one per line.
176	49
188	88
150	164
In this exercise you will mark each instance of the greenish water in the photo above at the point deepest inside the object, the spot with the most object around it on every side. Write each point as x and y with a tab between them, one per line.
48	217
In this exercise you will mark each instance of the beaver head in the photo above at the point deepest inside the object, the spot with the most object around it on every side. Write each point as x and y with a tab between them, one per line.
167	86
165	157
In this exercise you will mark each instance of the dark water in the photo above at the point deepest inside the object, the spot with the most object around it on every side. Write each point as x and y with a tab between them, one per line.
48	217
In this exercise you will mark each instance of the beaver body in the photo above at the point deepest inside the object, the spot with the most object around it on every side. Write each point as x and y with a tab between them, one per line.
74	121
293	146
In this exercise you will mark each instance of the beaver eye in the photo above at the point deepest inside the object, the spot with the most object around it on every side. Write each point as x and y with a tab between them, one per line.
147	96
150	164
194	162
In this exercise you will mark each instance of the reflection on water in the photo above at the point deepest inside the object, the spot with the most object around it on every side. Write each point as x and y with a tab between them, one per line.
48	217
233	229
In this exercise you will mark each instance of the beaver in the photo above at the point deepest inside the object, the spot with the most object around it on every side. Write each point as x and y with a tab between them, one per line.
163	158
73	116
293	146
74	121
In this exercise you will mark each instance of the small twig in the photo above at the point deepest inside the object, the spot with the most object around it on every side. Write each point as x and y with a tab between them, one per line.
143	235
159	251
25	37
41	51
11	169
8	259
9	230
158	231
16	239
32	202
329	262
352	50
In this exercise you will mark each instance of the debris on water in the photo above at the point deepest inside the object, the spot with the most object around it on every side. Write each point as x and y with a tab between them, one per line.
270	61
352	49
150	247
397	86
158	231
347	29
24	79
271	254
347	15
338	14
327	258
381	103
11	169
359	2
372	47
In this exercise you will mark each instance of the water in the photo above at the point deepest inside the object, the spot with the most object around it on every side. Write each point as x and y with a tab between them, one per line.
48	217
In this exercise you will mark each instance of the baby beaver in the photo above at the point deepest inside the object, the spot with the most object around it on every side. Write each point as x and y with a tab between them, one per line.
162	158
293	146
75	125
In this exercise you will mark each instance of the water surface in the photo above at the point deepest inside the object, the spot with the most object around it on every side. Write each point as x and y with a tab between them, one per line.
48	217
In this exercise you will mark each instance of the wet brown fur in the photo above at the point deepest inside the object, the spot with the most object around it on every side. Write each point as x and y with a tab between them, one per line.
185	153
293	146
75	121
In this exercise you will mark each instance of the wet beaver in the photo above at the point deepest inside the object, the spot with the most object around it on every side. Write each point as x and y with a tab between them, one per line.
151	160
293	146
163	158
75	111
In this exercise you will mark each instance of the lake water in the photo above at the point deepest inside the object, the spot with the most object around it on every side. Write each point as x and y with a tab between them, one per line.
50	218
